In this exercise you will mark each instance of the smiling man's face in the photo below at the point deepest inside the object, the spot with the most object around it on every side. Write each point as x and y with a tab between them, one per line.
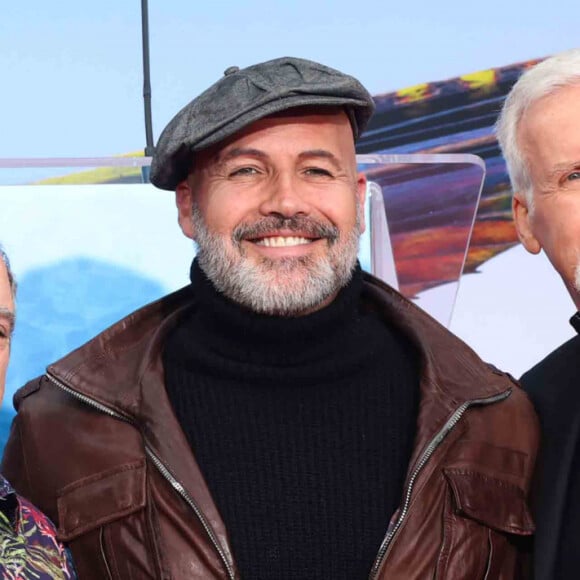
6	324
276	212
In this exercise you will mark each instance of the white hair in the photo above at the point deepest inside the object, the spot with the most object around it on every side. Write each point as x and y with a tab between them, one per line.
550	75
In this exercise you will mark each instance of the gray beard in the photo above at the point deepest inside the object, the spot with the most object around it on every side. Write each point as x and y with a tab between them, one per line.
282	287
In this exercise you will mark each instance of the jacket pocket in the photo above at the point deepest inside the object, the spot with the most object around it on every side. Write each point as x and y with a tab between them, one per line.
103	519
484	517
93	501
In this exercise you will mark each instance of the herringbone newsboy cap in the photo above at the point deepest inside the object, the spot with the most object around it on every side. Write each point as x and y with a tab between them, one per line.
241	97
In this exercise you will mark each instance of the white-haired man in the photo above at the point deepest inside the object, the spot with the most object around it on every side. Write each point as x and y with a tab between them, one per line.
539	132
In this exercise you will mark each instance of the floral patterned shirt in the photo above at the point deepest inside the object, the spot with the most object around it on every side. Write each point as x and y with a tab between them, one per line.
29	549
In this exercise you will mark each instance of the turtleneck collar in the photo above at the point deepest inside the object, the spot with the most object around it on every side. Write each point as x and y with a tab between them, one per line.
235	331
221	329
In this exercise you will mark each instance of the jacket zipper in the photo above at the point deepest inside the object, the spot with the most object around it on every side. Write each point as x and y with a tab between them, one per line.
160	466
429	450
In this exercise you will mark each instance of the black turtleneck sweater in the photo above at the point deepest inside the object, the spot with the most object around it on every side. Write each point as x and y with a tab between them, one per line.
303	428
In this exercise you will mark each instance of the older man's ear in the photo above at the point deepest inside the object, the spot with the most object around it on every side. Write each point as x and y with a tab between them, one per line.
523	219
184	203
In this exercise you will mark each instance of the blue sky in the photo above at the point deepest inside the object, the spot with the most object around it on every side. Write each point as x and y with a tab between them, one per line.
72	71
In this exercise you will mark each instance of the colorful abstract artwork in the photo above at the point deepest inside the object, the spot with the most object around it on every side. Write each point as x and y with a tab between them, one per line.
452	116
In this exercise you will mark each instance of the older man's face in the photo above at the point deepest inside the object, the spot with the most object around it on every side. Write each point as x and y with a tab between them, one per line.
277	212
6	324
549	134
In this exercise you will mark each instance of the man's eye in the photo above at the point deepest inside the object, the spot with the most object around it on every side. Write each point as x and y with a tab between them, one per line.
573	176
243	171
318	171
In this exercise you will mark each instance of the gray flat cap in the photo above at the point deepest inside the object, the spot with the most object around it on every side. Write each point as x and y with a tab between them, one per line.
243	96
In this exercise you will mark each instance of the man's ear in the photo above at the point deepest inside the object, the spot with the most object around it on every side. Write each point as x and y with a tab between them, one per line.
184	203
361	193
523	221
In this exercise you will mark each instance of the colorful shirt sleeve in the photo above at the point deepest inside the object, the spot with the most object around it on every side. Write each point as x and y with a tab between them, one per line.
29	548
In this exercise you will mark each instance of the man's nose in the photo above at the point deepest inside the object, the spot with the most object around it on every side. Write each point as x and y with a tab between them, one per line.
286	197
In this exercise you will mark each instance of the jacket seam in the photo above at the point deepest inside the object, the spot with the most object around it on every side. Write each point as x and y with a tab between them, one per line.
112	560
488	478
153	533
136	465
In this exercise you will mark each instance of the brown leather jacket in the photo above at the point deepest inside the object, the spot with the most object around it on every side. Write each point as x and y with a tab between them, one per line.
97	447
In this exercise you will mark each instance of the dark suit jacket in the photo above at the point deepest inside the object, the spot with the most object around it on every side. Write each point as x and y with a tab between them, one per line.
554	387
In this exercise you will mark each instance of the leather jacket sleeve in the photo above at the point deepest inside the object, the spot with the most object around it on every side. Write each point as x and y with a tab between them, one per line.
14	466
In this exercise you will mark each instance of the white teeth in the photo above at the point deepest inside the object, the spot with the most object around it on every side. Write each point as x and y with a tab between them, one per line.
280	241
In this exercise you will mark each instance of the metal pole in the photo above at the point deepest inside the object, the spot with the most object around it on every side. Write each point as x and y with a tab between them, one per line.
149	147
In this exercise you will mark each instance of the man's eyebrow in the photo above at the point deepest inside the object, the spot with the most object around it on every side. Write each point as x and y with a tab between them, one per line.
564	167
8	315
324	153
240	152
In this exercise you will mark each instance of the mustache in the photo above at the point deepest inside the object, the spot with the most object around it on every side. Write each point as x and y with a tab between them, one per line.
272	224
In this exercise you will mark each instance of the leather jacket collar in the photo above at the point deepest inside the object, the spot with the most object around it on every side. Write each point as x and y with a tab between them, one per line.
121	368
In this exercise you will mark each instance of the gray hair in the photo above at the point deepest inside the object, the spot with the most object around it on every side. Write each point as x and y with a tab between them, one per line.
11	279
550	75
